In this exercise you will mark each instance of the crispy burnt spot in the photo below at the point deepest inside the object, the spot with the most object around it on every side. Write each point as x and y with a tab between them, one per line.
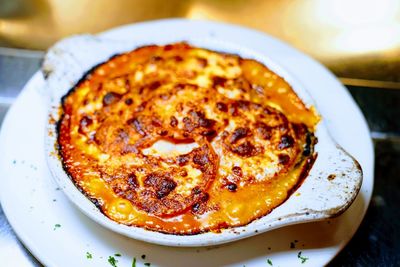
173	121
286	141
233	109
165	206
200	206
246	105
118	186
197	123
137	125
111	98
182	160
246	149
241	105
218	81
141	106
201	159
188	124
159	196
222	107
242	83
300	129
203	62
209	134
201	120
309	144
204	159
128	101
232	187
84	123
239	142
178	58
154	85
264	130
132	181
156	59
283	159
183	173
162	132
237	171
162	183
156	122
238	134
111	137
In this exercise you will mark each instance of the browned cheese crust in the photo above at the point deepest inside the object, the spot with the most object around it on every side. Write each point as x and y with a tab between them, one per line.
184	140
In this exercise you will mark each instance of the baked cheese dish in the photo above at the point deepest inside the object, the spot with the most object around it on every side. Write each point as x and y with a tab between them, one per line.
184	140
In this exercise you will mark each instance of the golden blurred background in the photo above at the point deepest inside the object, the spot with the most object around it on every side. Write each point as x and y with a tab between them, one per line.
359	40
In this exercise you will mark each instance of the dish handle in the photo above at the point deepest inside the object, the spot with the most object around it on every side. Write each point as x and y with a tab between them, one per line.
332	185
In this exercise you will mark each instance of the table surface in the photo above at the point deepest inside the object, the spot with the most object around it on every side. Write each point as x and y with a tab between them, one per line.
376	241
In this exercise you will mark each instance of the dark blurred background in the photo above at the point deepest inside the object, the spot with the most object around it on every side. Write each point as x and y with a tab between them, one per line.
358	40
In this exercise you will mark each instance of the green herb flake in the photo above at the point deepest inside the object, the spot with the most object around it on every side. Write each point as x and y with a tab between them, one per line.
57	225
147	264
269	262
303	259
117	254
112	261
134	262
89	255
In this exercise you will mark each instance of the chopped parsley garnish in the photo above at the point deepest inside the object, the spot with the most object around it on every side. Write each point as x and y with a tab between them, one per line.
147	263
112	261
303	259
89	255
269	262
134	262
143	256
117	254
57	225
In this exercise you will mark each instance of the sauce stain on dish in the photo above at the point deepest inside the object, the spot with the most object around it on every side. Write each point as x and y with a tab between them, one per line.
183	140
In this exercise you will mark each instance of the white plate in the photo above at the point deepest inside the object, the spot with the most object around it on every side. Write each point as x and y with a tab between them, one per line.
27	191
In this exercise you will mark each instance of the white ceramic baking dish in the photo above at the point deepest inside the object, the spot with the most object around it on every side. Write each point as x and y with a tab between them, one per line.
329	189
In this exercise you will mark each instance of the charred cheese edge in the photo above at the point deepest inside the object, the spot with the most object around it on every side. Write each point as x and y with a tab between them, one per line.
184	140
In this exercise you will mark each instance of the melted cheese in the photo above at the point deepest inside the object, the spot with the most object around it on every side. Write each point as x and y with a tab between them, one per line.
184	140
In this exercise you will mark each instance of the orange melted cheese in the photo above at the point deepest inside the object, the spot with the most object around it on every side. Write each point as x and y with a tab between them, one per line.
183	140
